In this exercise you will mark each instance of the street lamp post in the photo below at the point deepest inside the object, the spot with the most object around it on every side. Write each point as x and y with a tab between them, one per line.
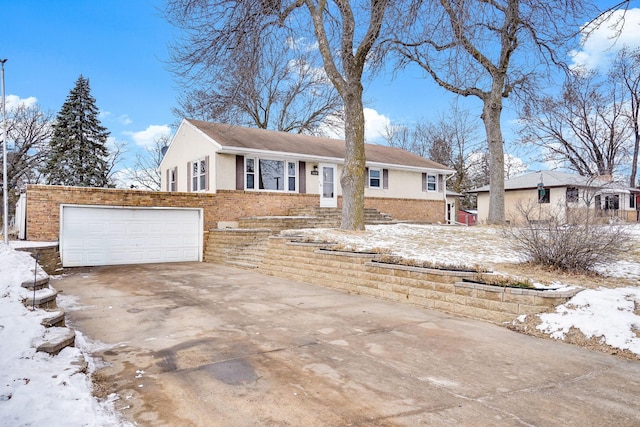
5	184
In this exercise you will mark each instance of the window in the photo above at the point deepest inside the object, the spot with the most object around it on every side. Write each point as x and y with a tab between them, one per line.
374	178
612	202
270	174
250	173
544	195
172	179
291	175
199	175
572	195
632	200
431	183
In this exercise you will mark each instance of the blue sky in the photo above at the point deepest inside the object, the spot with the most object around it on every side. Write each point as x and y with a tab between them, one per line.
121	46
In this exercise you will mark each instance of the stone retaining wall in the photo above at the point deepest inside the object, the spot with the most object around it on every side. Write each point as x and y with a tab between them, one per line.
434	289
48	257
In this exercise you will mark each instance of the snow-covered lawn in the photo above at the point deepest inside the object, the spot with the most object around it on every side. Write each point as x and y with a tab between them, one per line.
486	246
37	389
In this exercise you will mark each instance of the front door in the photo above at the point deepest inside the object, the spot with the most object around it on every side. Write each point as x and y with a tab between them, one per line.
328	196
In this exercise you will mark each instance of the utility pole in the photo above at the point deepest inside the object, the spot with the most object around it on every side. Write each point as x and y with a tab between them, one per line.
5	181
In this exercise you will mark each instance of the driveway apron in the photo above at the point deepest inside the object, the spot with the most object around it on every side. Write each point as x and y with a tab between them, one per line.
196	344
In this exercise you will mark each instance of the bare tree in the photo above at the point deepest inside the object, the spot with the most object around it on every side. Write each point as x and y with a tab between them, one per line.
146	171
411	138
280	89
29	129
626	68
117	151
487	50
346	33
451	140
586	126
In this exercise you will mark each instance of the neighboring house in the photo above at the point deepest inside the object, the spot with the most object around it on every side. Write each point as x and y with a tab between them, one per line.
553	190
210	157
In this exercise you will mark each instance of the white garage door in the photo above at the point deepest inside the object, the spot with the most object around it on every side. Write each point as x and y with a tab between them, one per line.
98	235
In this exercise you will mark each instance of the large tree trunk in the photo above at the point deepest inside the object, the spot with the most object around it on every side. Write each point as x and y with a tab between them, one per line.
491	118
353	173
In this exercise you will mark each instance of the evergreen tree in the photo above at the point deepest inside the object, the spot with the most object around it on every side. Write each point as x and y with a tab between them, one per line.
78	154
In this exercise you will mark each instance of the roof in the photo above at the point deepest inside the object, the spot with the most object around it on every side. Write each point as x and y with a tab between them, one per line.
241	139
549	179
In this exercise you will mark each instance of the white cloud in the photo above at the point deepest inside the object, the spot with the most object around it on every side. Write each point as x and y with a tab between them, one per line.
124	119
14	101
622	28
374	125
146	138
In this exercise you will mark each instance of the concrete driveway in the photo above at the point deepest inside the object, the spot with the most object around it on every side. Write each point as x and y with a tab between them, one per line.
198	344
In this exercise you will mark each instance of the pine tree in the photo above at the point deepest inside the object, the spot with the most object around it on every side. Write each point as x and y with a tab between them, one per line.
78	154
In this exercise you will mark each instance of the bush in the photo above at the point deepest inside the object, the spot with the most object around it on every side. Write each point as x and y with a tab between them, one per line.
576	241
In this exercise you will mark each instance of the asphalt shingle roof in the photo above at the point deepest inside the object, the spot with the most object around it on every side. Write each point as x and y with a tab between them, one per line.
283	142
549	179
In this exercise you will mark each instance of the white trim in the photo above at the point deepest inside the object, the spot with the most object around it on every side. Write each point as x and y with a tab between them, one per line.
379	178
326	202
199	175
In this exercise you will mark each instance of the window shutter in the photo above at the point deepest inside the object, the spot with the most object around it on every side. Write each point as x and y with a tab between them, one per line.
366	177
206	173
440	183
239	172
302	177
168	186
385	178
424	181
188	176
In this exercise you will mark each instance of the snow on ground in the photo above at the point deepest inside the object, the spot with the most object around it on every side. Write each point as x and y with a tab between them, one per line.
613	315
38	389
35	388
448	245
436	243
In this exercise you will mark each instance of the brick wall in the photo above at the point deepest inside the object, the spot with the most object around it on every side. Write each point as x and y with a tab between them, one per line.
430	211
43	205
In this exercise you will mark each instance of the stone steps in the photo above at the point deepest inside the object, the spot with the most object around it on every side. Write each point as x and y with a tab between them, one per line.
43	297
245	247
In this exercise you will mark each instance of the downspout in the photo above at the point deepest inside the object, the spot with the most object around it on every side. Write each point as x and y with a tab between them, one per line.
444	193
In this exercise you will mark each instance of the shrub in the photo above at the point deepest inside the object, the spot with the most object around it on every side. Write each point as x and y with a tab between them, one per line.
570	240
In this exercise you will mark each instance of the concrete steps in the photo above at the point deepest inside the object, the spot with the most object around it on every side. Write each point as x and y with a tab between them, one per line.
43	297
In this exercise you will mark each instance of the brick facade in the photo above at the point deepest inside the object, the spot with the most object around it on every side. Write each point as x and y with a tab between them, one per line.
43	205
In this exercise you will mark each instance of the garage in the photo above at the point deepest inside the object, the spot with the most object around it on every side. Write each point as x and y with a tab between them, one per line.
105	235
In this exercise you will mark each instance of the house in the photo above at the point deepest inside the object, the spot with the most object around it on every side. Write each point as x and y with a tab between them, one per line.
552	189
211	158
